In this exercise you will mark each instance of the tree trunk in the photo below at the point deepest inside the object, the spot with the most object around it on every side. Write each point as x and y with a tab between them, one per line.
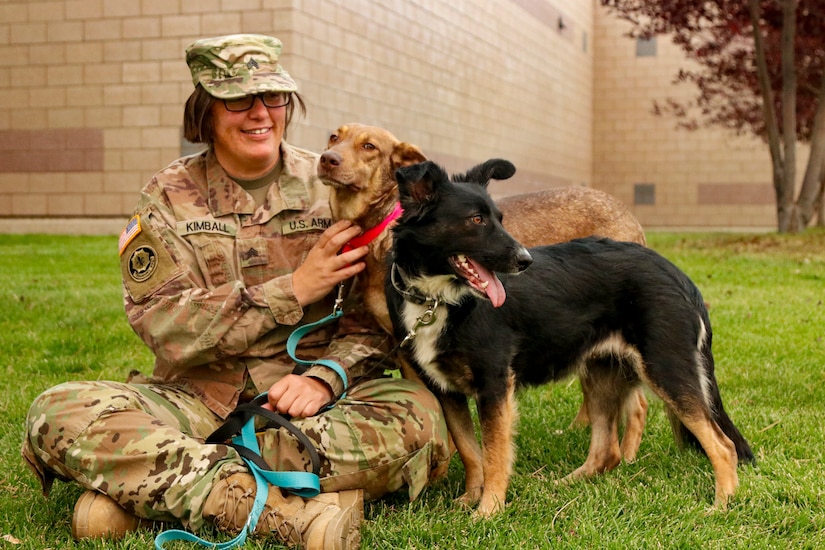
811	190
786	202
771	124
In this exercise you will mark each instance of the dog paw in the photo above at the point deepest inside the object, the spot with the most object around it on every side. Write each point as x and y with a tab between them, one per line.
470	498
488	508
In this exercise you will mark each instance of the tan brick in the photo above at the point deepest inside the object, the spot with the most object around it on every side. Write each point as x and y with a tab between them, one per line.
119	8
46	54
159	7
11	183
124	182
103	29
163	49
103	73
84	9
25	77
5	203
175	71
48	11
29	204
214	24
122	138
84	96
64	75
121	94
64	31
160	94
85	182
200	6
23	119
28	33
168	138
44	182
65	204
122	50
84	52
181	25
141	116
140	72
70	117
240	5
14	12
140	159
103	204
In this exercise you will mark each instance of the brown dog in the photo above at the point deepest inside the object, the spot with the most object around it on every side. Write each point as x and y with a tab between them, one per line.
359	165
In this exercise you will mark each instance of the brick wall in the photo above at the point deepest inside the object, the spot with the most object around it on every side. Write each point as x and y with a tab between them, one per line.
105	80
93	93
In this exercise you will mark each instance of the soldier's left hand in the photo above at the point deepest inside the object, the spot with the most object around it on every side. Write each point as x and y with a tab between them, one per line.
298	396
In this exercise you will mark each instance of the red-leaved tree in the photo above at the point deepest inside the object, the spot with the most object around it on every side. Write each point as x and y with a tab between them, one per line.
760	69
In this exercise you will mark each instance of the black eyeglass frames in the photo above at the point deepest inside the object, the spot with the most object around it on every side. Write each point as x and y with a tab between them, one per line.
272	100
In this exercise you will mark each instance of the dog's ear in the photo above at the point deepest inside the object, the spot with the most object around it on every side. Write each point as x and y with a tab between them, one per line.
418	185
405	154
493	169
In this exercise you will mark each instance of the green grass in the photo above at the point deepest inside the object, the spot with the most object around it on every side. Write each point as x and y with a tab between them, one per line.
62	319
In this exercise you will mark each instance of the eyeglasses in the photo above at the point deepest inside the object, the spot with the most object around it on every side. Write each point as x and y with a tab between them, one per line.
272	100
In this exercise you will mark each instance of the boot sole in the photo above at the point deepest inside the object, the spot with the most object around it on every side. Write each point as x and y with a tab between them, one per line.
348	524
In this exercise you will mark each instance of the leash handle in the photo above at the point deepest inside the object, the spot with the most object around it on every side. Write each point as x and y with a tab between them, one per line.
303	484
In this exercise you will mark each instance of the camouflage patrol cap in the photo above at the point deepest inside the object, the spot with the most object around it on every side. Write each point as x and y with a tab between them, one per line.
236	65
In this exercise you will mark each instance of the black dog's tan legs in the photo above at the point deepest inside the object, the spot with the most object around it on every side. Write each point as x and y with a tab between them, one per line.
460	424
611	389
487	472
720	450
498	420
635	415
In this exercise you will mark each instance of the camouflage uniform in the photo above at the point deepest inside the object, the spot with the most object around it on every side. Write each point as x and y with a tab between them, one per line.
208	287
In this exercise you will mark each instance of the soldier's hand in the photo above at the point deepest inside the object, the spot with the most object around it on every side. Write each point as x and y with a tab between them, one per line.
324	267
298	396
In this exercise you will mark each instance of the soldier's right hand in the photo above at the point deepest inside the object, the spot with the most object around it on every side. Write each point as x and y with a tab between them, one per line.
324	268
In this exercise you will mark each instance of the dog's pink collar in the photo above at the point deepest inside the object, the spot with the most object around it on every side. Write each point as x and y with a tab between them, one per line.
367	236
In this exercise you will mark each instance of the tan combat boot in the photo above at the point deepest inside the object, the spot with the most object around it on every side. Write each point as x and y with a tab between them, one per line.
330	521
98	516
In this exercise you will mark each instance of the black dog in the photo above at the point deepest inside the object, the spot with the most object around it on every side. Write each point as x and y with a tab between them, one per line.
617	315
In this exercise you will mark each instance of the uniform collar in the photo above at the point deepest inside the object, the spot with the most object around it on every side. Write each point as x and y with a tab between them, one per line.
227	197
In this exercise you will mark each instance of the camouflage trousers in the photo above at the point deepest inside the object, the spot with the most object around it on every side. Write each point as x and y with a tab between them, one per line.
143	444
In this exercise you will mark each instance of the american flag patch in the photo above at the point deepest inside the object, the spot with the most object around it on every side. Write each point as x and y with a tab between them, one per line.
131	231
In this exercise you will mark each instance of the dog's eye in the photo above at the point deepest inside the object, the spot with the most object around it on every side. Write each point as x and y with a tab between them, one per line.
368	146
333	138
477	219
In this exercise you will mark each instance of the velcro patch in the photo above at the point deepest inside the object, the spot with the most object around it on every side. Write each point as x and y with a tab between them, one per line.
296	225
128	234
188	227
147	265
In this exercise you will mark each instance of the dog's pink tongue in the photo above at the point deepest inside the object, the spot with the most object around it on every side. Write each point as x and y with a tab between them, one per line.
495	290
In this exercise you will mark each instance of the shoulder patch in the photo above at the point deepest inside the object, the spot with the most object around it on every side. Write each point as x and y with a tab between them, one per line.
143	261
146	265
128	234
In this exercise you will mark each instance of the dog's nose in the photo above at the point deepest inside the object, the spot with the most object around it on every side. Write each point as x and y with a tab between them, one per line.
523	259
331	158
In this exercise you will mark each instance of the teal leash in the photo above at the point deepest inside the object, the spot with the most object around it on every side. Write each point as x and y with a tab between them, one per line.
303	484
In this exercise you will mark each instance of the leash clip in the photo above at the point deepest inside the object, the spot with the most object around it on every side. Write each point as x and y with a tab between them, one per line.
339	300
424	320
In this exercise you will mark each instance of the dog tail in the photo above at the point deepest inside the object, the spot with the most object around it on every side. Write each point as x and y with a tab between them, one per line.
717	411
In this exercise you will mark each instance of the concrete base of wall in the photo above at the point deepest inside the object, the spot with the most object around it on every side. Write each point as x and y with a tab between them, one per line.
63	226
